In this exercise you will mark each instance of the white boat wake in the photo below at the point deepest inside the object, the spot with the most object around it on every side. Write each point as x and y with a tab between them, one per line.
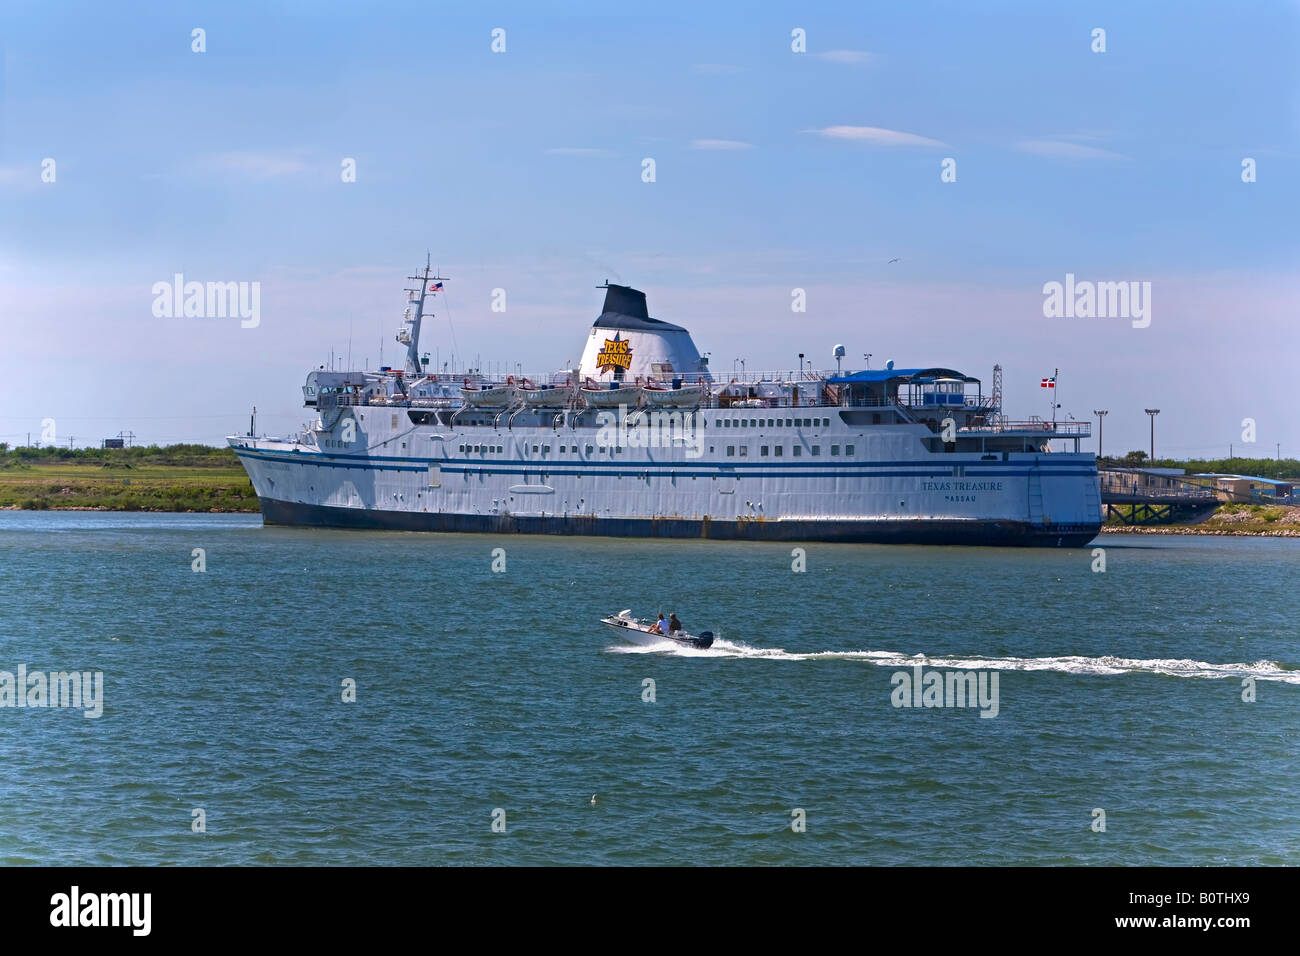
1170	667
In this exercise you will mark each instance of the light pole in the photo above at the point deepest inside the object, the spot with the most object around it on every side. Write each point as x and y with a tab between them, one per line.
1153	412
866	357
801	366
1100	415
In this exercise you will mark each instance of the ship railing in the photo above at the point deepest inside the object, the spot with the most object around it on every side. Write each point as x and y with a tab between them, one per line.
1163	486
770	377
871	401
1036	427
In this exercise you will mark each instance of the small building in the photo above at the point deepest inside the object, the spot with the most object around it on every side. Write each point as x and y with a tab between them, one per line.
1247	489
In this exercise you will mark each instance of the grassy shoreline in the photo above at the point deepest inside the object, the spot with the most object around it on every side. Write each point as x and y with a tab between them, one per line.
1195	529
179	479
1271	521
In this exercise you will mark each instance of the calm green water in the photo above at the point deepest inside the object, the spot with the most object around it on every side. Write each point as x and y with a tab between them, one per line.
478	690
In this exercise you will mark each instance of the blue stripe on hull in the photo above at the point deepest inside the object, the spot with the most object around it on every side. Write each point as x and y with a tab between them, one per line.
986	533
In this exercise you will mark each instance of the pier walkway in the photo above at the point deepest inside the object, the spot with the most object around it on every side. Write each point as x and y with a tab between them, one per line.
1142	496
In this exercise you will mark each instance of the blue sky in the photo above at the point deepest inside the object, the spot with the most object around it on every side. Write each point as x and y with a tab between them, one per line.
774	170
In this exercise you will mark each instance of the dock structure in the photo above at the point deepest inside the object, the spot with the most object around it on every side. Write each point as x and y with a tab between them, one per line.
1151	496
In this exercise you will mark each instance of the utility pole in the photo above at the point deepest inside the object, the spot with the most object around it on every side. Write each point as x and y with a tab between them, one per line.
1101	415
1153	412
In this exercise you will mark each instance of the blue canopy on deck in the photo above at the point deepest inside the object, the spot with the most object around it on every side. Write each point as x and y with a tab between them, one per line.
917	375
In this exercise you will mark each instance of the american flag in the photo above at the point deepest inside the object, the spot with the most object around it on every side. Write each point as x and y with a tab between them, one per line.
435	287
1048	382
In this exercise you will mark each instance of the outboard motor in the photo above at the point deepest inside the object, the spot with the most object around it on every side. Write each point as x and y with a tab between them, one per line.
705	639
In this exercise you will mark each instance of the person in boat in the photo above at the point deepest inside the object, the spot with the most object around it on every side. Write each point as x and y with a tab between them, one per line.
673	624
660	626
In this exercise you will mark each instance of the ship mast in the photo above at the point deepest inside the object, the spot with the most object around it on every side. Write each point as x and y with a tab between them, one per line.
410	333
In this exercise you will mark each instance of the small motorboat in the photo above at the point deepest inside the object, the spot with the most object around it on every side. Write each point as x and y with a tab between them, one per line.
638	632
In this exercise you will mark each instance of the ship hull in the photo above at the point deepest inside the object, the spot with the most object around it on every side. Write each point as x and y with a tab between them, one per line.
883	531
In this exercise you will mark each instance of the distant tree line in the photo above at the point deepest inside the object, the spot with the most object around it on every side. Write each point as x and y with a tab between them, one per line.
1284	468
190	455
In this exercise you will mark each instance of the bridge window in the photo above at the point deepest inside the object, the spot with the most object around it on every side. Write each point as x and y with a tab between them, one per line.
762	452
744	451
777	450
850	450
731	451
798	451
816	450
835	451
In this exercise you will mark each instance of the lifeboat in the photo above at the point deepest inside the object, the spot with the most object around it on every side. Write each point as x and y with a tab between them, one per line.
547	396
629	395
487	396
686	396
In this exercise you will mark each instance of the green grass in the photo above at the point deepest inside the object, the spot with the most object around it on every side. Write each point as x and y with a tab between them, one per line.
127	483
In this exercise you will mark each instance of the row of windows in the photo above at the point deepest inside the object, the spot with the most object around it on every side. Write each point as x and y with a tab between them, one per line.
775	451
776	422
537	449
778	451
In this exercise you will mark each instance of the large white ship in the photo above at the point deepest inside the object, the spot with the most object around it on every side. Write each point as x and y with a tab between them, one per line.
642	439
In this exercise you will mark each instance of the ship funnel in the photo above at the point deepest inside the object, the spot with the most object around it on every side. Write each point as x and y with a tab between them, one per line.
626	301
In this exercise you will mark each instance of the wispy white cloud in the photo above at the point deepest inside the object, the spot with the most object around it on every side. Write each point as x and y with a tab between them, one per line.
720	144
256	164
717	68
1060	149
875	136
577	151
25	177
846	56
